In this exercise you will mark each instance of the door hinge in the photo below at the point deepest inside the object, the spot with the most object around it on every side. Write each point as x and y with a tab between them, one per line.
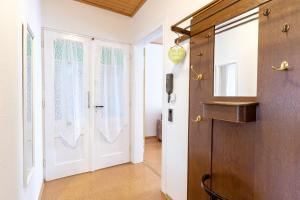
89	99
43	103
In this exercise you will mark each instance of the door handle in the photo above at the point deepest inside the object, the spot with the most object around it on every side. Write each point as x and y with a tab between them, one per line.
99	106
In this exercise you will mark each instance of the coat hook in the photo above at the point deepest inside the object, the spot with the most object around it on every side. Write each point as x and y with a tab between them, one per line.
283	67
197	76
285	28
208	35
267	12
200	54
198	119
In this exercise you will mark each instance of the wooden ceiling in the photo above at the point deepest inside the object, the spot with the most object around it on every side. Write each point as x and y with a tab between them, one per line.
124	7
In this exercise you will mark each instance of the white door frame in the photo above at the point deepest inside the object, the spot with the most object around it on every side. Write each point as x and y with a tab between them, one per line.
137	99
137	95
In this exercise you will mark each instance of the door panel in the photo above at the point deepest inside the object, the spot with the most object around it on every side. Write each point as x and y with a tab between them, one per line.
199	153
277	144
66	118
111	136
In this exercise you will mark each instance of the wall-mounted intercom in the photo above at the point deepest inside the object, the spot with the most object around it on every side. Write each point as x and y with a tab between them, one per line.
170	115
169	85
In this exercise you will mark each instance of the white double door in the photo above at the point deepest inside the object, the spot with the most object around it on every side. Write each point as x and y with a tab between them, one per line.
86	112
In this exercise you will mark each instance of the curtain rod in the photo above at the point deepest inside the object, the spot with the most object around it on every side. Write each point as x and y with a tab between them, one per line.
83	35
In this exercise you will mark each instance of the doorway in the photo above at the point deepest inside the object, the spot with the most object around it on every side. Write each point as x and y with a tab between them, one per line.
86	104
153	102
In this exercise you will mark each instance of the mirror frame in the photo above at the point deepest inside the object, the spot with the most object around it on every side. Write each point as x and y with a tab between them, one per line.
26	30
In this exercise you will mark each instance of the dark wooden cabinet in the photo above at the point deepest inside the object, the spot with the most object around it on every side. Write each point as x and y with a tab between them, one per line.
259	160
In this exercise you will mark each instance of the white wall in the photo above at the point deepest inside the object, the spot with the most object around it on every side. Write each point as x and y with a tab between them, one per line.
10	100
175	135
13	14
79	18
153	87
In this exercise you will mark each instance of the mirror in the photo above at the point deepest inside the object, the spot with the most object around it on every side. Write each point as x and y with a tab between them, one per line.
236	56
28	137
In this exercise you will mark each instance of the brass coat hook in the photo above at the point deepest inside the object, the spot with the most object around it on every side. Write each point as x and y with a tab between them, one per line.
198	119
267	12
200	54
285	28
197	76
208	35
283	67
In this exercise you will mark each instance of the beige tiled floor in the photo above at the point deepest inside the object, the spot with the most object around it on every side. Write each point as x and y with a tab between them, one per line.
124	182
152	157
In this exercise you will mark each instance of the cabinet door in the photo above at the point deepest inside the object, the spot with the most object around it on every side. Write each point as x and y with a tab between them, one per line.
277	160
199	162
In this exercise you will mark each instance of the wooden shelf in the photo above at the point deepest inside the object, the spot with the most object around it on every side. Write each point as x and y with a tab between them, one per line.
237	112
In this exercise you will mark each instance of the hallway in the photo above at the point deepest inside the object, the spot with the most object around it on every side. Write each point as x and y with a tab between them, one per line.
152	156
123	182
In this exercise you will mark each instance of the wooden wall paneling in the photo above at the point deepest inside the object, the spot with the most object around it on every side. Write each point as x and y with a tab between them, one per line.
124	7
258	160
233	160
277	142
199	153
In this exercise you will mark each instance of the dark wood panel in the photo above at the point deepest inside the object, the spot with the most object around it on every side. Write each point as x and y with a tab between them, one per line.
199	162
233	160
277	144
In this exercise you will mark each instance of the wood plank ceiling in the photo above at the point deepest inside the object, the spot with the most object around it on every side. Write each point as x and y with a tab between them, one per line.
124	7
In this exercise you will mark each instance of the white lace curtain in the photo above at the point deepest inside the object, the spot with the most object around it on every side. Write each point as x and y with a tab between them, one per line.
109	91
69	90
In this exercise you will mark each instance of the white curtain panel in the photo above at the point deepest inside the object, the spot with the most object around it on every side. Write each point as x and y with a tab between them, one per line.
111	60
69	90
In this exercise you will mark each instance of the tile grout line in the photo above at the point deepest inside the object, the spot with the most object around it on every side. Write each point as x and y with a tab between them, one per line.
152	169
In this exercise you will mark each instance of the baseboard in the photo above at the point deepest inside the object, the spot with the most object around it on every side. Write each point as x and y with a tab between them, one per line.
149	137
165	196
41	191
